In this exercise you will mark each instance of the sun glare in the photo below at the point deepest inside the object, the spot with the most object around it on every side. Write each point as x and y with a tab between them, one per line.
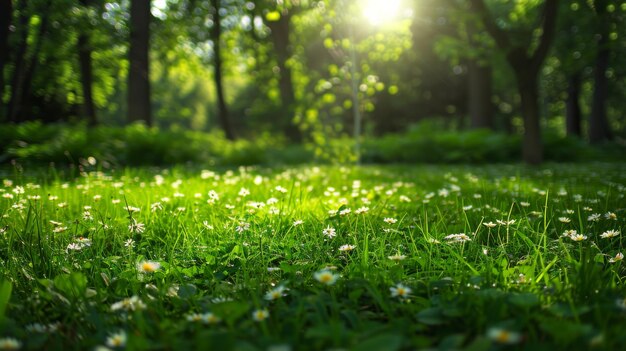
380	12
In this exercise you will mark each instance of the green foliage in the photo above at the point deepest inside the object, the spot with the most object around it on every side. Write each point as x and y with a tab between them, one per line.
426	142
137	145
431	142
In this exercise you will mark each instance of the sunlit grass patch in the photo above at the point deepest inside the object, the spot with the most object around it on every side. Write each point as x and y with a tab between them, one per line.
315	258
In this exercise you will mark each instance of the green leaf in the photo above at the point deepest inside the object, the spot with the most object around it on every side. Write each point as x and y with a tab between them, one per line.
431	316
72	285
273	16
384	342
524	300
5	295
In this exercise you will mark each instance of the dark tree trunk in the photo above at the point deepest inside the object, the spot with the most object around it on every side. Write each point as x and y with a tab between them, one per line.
599	130
19	68
6	11
527	67
23	90
139	71
479	104
280	39
86	73
572	106
222	109
532	146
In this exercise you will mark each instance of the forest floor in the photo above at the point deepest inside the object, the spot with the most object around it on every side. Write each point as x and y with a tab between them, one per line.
360	258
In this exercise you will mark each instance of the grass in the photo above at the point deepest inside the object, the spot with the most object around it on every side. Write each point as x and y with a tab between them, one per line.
314	258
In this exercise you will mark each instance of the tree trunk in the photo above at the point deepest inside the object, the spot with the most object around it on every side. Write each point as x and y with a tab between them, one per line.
6	11
139	108
599	130
222	109
86	73
572	106
532	147
19	69
280	39
479	104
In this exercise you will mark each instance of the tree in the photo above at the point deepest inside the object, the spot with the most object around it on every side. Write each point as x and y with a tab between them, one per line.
25	66
526	63
86	70
222	109
6	12
139	69
573	115
280	38
599	130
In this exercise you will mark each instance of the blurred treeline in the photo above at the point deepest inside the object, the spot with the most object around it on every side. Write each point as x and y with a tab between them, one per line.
295	68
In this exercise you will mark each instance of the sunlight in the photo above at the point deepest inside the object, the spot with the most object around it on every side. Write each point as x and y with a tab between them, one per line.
380	12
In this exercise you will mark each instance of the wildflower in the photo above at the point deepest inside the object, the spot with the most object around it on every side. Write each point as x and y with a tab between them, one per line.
276	293
443	192
505	222
325	277
130	243
489	224
274	211
404	198
132	209
273	269
242	227
148	266
10	344
594	217
135	227
433	241
271	201
297	222
617	258
244	192
206	318
133	303
260	315
610	215
280	189
568	211
503	336
467	208
210	318
74	247
156	207
116	339
569	233
578	237
609	234
524	204
361	210
400	290
207	225
329	232
345	211
59	229
346	247
390	220
458	238
564	220
397	257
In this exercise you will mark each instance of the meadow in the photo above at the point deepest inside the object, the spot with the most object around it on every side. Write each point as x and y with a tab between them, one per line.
314	258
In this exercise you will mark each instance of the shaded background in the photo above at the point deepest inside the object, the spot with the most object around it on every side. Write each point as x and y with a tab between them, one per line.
422	80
